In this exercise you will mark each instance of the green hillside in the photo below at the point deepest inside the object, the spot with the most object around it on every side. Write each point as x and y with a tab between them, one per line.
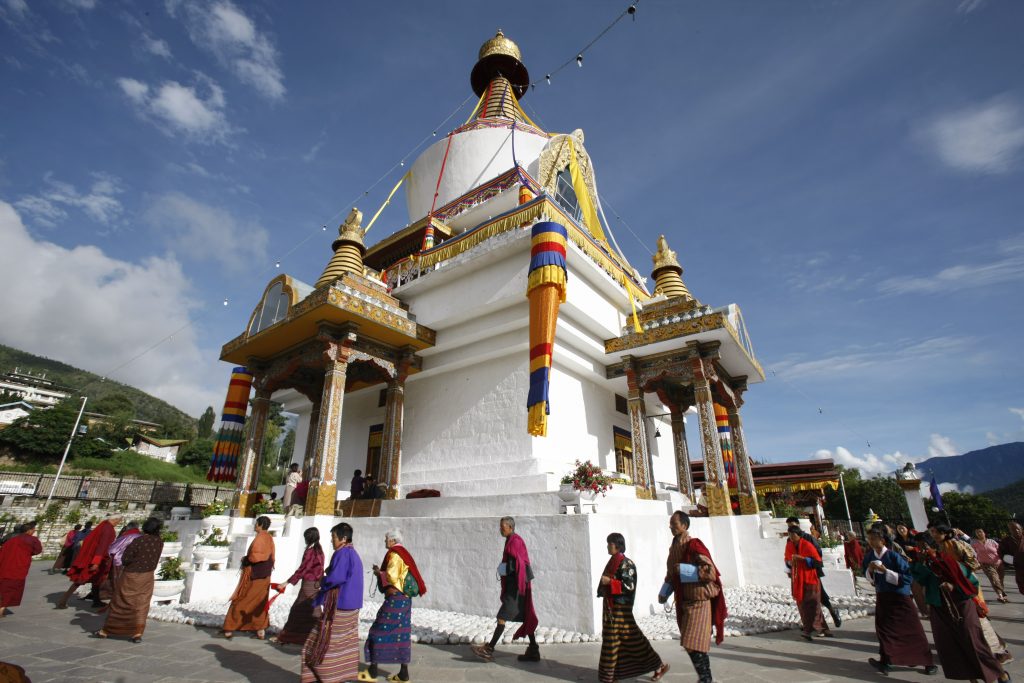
1010	497
146	407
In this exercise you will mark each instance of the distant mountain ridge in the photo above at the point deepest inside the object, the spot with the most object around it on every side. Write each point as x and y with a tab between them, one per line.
984	469
84	383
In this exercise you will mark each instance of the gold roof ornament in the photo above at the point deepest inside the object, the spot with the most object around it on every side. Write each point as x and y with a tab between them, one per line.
668	274
348	250
500	57
500	45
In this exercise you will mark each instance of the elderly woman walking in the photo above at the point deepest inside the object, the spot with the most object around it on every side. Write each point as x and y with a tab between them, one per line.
133	590
389	639
625	651
311	570
331	653
248	610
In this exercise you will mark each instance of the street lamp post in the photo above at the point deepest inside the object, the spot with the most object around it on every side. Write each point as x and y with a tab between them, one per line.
67	448
846	503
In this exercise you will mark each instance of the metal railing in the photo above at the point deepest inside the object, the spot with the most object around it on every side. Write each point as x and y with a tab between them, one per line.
110	489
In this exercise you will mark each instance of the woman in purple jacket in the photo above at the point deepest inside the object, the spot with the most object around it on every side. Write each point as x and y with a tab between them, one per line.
331	652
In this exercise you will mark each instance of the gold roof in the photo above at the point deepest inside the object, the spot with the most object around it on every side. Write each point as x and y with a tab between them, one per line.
665	258
500	45
351	230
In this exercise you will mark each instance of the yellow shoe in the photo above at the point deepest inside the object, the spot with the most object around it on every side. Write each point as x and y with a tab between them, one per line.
364	675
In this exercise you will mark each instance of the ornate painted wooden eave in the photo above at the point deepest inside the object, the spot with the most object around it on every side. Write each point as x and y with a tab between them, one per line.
348	300
786	477
672	323
402	243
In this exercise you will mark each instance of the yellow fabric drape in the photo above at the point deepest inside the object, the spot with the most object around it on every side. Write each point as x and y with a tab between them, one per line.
583	196
386	201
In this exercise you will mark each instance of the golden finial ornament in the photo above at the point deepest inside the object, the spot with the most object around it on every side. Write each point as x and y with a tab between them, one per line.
668	274
348	250
499	57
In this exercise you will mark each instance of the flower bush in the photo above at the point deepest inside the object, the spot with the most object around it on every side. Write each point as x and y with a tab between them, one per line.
588	477
171	570
265	507
216	537
169	536
217	507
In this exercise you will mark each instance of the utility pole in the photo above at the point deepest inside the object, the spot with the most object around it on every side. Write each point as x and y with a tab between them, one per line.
67	448
846	503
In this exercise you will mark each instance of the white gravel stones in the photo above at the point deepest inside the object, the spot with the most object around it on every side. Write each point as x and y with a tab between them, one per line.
752	609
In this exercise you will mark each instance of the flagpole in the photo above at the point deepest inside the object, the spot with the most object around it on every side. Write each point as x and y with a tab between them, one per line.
67	448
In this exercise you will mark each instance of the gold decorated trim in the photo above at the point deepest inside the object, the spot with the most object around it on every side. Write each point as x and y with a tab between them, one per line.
800	486
541	208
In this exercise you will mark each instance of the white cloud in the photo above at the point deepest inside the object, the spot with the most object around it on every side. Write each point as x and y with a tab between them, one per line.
19	8
207	233
941	447
869	464
81	4
968	6
155	46
48	207
85	308
944	487
991	438
1007	267
857	359
983	138
228	33
1019	412
197	112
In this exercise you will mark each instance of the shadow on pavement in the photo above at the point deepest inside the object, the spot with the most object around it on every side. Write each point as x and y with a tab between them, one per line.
546	667
248	665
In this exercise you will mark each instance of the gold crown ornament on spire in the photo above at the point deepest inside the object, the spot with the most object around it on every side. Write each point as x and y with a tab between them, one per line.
348	250
500	57
668	274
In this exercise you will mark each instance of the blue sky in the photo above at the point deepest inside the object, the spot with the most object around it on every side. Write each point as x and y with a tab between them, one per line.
850	173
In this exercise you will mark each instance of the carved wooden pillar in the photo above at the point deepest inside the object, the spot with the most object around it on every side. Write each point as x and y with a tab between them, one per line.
311	437
744	475
252	458
391	451
716	488
682	452
323	485
642	476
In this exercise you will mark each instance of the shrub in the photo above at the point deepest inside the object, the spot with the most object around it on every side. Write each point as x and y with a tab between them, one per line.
171	569
588	477
217	507
216	537
169	536
265	507
73	516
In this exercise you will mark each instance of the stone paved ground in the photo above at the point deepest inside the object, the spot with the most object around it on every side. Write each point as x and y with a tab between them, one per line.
53	645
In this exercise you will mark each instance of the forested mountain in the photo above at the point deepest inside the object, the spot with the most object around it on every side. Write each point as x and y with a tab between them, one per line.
984	469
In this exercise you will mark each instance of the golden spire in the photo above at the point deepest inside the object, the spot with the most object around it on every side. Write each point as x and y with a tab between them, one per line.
348	250
500	58
668	274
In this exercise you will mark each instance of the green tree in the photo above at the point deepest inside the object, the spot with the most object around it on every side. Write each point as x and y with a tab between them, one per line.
272	436
969	512
91	447
114	404
205	425
197	453
880	494
43	432
287	450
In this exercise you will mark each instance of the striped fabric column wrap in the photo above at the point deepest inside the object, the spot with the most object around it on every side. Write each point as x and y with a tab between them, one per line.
546	291
725	437
224	464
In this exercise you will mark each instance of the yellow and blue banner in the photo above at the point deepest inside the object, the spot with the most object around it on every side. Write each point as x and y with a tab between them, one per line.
546	290
230	438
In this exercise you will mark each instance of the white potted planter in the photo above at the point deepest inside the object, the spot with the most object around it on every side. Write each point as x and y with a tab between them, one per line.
171	549
164	591
568	494
205	555
180	513
220	521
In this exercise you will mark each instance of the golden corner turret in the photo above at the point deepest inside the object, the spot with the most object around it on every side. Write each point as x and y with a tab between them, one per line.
348	250
668	274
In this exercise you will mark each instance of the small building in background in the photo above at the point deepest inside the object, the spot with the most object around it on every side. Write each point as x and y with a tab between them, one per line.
9	412
34	389
160	449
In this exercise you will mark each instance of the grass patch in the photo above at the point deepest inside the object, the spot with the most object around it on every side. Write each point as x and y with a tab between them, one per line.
127	464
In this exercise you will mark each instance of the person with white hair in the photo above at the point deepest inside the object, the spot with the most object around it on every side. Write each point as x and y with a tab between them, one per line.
400	581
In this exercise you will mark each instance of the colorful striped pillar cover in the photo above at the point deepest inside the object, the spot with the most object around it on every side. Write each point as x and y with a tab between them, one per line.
224	464
725	437
546	290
